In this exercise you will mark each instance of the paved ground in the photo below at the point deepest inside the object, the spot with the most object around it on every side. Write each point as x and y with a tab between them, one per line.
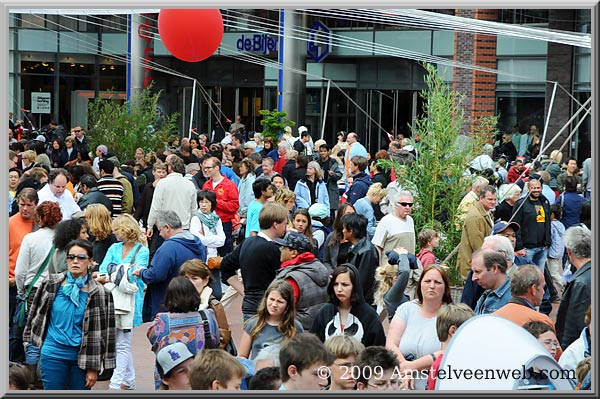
143	357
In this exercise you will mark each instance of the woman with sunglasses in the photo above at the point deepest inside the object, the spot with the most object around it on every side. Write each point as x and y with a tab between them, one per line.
72	321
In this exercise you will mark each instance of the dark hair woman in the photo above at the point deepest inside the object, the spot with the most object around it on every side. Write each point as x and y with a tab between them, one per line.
347	311
182	301
337	248
72	322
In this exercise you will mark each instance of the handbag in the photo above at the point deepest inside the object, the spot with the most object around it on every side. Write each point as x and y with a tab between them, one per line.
21	311
214	262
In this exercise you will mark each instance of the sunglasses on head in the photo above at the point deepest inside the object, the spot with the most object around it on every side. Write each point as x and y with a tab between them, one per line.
410	204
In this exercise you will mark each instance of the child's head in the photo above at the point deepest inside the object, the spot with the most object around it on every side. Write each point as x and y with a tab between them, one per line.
555	212
267	378
18	377
300	358
429	238
173	365
197	272
277	303
544	334
450	317
583	368
385	276
380	358
215	369
346	349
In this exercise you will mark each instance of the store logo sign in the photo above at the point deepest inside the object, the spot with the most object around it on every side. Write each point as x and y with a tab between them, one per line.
319	42
261	43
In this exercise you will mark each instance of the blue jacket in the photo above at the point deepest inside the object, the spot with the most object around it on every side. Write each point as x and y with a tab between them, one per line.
360	185
230	174
165	266
302	192
570	208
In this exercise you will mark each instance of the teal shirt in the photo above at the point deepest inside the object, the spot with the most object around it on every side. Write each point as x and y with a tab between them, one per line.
66	327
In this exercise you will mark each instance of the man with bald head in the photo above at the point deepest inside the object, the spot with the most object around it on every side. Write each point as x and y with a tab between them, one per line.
354	148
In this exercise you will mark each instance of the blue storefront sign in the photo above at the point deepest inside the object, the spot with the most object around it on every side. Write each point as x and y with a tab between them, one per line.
319	42
318	45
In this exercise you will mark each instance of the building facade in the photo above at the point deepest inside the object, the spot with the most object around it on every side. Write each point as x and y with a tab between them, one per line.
367	71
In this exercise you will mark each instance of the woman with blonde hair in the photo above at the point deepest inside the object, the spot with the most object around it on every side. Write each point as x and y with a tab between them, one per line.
312	189
364	206
287	198
552	166
100	225
126	255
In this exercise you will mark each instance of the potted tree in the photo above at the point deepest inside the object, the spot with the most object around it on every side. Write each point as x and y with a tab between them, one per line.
437	175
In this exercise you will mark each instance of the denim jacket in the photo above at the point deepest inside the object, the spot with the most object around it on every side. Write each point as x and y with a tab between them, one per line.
491	301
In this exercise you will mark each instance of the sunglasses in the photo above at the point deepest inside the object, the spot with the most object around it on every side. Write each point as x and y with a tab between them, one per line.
77	131
78	256
409	204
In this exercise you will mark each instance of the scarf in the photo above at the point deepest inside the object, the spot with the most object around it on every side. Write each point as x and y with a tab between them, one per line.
73	286
302	258
210	220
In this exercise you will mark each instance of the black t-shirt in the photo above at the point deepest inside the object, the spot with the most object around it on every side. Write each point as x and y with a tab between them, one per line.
343	252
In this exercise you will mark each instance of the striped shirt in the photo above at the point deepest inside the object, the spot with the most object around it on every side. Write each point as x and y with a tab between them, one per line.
113	189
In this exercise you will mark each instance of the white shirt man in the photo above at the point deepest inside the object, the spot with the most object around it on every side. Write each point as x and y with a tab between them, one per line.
55	191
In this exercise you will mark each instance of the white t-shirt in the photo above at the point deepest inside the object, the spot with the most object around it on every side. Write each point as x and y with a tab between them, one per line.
392	231
419	337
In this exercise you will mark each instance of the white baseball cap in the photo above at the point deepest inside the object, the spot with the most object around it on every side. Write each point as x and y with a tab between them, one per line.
302	129
172	356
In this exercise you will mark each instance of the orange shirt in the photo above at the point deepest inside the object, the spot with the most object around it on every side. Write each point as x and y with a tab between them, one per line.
17	229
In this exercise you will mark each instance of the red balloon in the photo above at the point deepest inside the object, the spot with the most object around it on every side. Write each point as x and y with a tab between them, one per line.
191	35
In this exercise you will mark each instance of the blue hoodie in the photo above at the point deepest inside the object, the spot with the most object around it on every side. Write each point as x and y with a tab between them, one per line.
165	266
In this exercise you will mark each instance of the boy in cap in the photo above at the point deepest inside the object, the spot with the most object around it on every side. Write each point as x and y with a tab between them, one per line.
305	273
173	364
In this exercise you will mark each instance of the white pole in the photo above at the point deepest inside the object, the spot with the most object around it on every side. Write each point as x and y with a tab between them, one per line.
548	116
192	109
325	109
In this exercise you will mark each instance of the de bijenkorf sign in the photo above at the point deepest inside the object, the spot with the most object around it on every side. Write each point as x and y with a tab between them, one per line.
319	42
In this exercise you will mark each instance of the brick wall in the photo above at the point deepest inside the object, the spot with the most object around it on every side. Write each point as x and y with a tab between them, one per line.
478	87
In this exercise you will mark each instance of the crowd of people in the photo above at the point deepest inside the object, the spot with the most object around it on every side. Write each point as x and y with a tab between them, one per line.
316	238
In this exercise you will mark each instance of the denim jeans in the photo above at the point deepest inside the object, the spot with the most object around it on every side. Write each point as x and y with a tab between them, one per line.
124	373
537	256
32	353
58	374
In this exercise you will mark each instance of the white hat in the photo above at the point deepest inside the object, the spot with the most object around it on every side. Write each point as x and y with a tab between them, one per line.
172	356
302	129
40	138
287	129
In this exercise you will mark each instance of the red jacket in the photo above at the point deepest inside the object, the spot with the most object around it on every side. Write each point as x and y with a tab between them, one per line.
228	201
513	174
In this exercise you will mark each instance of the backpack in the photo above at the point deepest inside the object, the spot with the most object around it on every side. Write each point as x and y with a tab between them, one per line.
321	251
198	330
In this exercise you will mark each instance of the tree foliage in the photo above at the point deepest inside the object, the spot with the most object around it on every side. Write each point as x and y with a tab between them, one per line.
123	127
438	174
274	123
